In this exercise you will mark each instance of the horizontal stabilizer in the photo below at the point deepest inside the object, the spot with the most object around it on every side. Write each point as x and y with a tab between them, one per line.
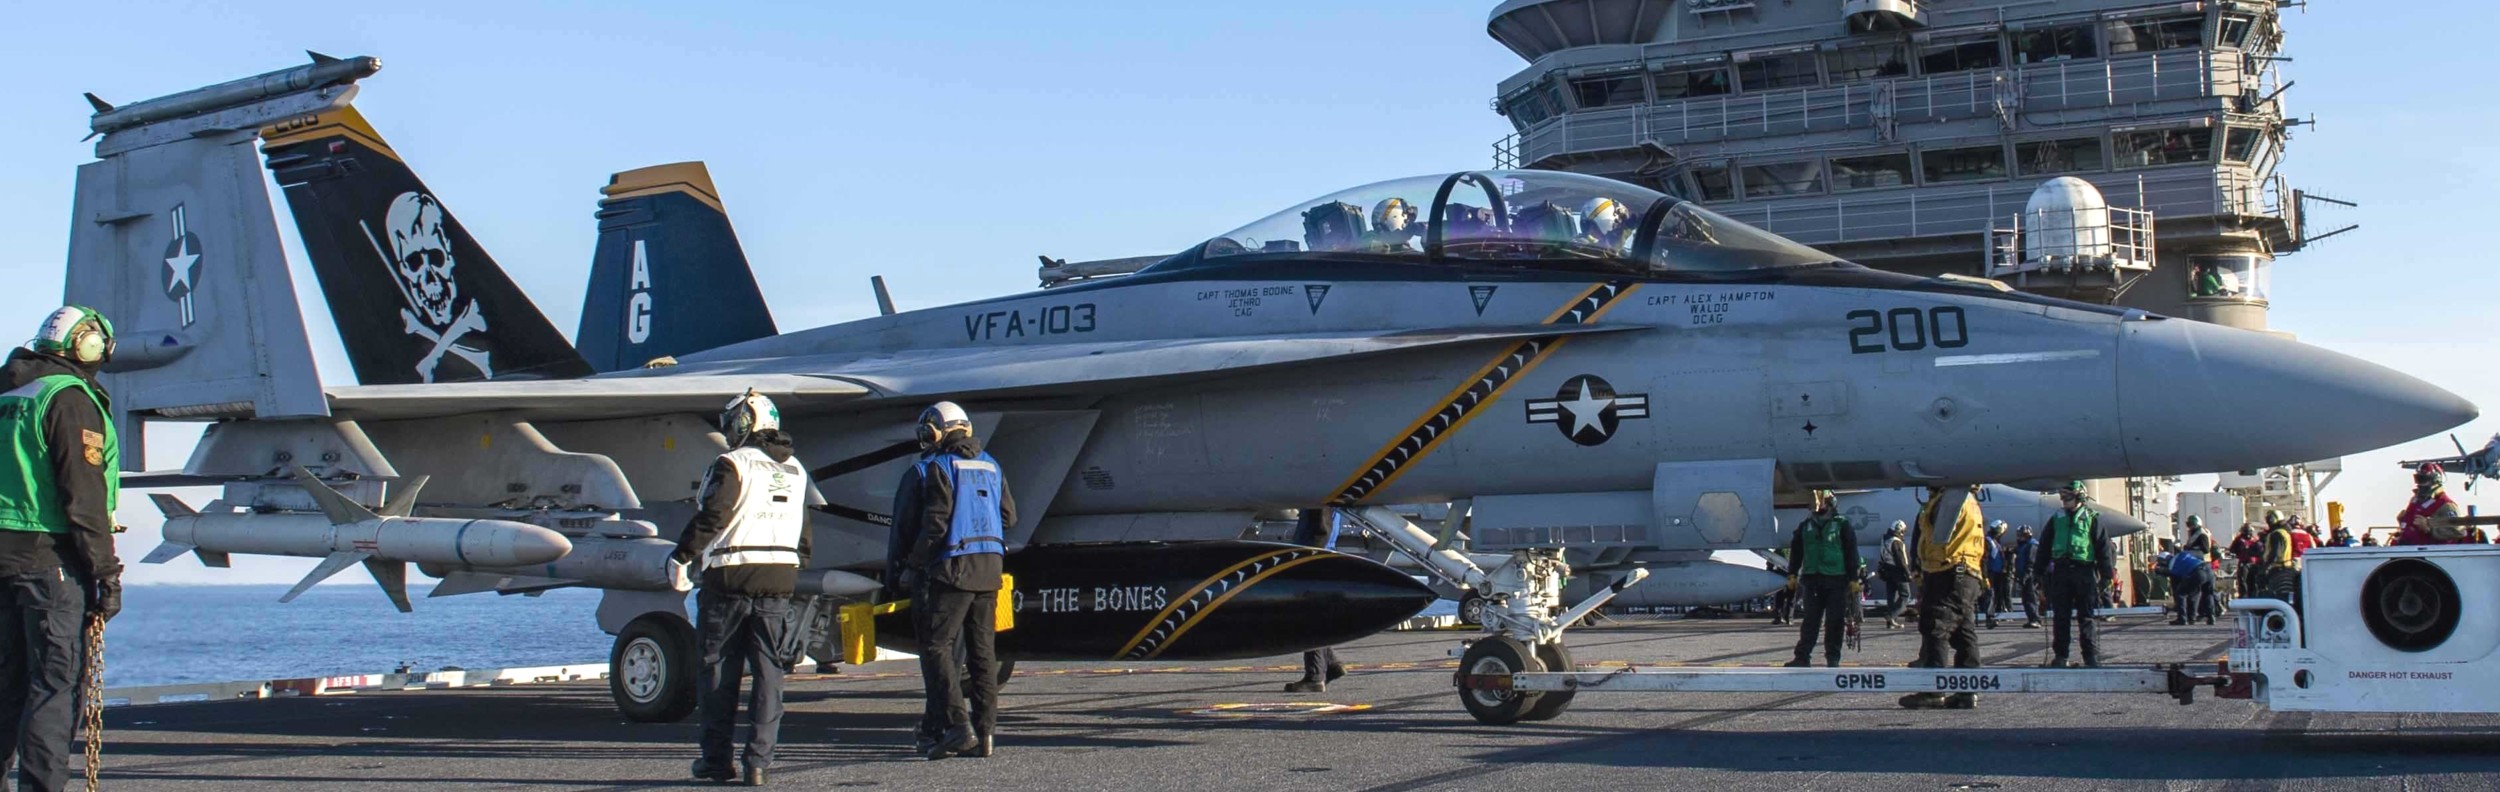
329	566
166	552
393	577
337	507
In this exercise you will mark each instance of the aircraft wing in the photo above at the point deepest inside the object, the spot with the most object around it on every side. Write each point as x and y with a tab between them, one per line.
585	399
1087	366
817	383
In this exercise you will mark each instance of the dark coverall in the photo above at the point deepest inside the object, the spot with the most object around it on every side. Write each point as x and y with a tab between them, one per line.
1894	570
50	583
2075	584
2025	551
1824	593
1318	665
742	621
954	600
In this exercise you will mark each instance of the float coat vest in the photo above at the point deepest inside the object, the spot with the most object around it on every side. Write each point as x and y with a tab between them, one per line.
772	510
976	527
29	499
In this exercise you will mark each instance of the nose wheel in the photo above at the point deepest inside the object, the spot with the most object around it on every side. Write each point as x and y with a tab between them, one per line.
1484	681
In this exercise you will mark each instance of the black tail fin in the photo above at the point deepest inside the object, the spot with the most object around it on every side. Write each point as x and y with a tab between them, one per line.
667	277
415	298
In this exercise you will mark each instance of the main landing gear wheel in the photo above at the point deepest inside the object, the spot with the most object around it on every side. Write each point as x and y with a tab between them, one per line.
651	668
1550	704
1471	609
1497	657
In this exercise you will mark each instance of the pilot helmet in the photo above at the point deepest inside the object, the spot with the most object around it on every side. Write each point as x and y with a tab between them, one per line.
1392	214
1603	216
748	414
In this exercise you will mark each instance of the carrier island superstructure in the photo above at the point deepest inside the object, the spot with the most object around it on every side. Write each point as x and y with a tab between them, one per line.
1946	137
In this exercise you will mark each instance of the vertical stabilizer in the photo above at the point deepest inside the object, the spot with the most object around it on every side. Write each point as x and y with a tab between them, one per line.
172	237
668	277
414	296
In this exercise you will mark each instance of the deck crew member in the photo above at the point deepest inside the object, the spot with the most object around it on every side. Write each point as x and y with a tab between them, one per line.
57	567
1312	528
751	539
2019	569
2077	564
1997	596
2430	517
1892	565
949	544
2278	559
1824	568
1947	545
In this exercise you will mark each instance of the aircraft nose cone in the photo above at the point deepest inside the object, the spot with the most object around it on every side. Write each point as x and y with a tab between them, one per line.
2117	521
2201	398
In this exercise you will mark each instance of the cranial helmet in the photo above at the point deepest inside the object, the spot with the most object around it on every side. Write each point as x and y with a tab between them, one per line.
2428	473
77	333
748	414
942	419
1897	527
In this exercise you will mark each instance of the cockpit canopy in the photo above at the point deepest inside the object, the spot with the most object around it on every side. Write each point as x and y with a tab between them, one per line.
1541	219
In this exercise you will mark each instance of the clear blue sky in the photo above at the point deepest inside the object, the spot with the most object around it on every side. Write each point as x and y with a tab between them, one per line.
944	145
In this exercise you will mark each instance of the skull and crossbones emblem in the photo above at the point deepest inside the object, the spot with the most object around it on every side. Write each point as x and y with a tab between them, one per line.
421	259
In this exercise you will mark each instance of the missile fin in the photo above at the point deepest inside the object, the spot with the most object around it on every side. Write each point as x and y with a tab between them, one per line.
171	506
404	496
329	566
214	558
166	552
320	58
340	510
97	102
393	577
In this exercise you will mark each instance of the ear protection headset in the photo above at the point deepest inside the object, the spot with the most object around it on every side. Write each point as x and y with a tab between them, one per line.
938	420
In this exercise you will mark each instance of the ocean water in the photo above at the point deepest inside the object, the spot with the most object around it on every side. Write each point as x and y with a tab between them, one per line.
172	634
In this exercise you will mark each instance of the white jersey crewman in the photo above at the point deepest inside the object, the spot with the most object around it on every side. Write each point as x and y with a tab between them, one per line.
750	538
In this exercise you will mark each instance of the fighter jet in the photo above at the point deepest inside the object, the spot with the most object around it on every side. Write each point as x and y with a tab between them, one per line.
1590	363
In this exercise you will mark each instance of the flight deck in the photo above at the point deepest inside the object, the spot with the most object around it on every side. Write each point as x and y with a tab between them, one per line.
1391	725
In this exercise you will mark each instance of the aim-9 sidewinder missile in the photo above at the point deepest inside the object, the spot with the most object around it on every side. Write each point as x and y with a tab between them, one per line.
346	533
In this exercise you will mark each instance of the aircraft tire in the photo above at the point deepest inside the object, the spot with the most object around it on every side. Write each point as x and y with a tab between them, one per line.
651	668
1496	656
1550	705
1471	609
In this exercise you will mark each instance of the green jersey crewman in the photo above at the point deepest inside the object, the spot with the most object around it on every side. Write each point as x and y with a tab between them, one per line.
57	567
1823	562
